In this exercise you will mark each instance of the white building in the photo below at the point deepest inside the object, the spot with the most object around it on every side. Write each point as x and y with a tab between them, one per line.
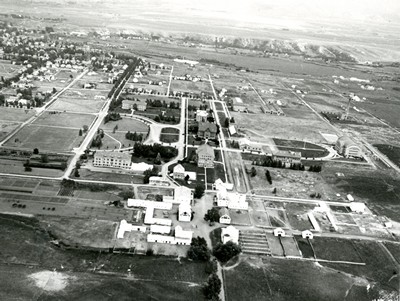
246	145
185	212
182	237
201	116
112	159
150	207
279	232
347	148
140	167
307	234
160	229
218	184
124	226
224	217
357	207
179	172
230	233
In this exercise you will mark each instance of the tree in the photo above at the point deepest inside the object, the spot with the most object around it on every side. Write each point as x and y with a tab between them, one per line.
80	132
212	288
85	128
198	250
211	266
253	172
232	120
126	194
224	252
199	191
268	176
28	168
158	159
212	215
157	119
76	173
149	173
36	151
226	123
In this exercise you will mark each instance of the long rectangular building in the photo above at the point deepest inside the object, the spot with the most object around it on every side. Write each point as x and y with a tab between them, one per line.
112	159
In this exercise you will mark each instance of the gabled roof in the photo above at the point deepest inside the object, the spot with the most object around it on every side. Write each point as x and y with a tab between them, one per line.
205	149
203	126
179	168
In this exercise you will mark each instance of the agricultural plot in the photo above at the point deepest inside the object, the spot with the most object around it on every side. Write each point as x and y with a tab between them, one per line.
144	191
16	167
190	86
343	218
278	218
305	247
64	120
297	215
274	244
335	249
7	69
239	217
260	218
290	246
46	138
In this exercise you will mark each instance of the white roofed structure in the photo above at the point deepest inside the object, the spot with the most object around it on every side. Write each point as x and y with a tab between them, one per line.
230	233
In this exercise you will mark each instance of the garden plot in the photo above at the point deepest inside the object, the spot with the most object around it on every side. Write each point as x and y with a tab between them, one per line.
239	217
46	138
260	218
290	246
278	218
297	215
274	244
67	120
144	191
343	218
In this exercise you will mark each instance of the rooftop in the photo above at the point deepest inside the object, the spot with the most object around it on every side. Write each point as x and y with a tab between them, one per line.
112	155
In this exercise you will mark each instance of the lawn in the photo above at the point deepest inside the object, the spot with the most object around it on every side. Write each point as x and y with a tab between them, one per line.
46	138
16	167
297	215
126	124
112	175
169	135
75	121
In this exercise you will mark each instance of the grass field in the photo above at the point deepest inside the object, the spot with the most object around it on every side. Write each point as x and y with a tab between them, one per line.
111	176
46	138
169	135
14	114
75	121
308	150
125	125
77	103
172	280
16	167
335	249
6	128
297	215
288	280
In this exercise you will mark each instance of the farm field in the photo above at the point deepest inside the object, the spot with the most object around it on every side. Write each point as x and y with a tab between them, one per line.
328	249
297	215
7	69
112	175
67	120
6	128
46	138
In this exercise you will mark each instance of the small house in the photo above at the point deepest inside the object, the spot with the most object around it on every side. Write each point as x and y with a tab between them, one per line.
279	232
230	233
307	234
179	172
224	217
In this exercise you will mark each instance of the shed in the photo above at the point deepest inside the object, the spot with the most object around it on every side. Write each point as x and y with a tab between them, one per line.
307	234
279	232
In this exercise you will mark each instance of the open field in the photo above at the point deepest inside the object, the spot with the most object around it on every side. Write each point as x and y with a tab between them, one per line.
6	128
169	135
15	115
297	215
335	249
254	126
110	175
7	69
16	167
290	280
75	121
307	149
46	138
172	280
76	101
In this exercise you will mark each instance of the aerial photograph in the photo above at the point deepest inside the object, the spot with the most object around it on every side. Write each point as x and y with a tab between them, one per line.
186	150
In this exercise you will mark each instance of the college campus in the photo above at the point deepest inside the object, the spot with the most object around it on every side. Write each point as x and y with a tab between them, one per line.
183	167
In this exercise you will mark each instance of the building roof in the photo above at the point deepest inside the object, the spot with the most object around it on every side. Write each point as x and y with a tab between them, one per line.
203	126
142	166
160	229
112	155
179	168
201	113
180	233
205	149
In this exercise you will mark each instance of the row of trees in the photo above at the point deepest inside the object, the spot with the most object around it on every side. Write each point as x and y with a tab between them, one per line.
134	136
151	151
269	162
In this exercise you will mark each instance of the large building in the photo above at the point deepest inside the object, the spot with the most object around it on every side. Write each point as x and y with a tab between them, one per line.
347	148
205	156
112	159
287	156
201	116
246	145
207	130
